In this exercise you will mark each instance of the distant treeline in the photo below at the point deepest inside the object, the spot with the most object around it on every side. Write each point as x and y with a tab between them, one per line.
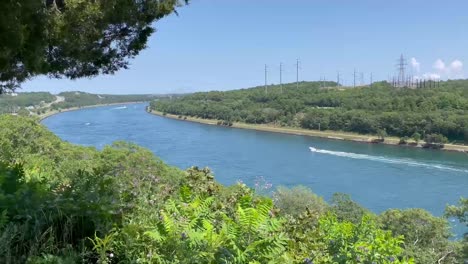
10	103
40	102
440	113
79	99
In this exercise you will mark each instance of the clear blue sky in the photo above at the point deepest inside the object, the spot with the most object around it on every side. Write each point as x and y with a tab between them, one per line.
224	44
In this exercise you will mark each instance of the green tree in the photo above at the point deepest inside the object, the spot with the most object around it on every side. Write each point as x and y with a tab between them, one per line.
73	38
297	200
382	134
460	211
346	209
426	236
23	112
435	139
416	137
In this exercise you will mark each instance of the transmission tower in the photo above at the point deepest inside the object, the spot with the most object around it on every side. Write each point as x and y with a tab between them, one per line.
401	71
266	78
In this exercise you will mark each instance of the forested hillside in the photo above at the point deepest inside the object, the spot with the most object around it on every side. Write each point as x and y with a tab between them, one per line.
61	203
11	103
42	102
79	99
435	114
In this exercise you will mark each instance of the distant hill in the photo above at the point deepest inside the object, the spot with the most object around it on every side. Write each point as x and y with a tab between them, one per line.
41	102
79	99
11	103
438	113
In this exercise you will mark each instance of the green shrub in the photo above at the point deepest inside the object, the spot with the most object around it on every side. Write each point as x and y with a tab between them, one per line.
296	200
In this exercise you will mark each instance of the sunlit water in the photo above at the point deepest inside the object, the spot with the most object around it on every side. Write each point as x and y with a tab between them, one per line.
377	176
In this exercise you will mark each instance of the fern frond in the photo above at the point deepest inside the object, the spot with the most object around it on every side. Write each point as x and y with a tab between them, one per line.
169	224
185	194
154	235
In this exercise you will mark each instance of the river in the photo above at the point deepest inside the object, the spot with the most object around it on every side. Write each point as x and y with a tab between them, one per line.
377	176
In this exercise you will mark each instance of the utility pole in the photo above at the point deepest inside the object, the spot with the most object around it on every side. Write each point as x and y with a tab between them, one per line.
281	77
371	81
297	73
266	75
354	79
338	78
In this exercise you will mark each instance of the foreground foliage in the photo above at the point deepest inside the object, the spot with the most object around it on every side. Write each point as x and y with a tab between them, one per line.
61	203
73	38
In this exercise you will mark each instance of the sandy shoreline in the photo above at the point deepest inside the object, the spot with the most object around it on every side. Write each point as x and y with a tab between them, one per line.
305	132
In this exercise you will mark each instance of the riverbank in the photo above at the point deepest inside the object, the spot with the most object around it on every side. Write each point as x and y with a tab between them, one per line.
306	132
54	112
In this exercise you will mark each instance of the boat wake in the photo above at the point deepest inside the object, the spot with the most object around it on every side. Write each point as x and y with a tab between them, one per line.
408	162
120	107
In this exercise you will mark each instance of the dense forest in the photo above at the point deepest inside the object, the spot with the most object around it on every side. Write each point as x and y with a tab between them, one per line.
61	203
438	114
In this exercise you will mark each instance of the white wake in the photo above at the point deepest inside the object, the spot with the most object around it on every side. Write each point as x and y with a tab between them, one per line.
120	107
389	160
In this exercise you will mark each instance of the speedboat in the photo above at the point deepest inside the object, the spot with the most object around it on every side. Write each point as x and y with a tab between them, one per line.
313	149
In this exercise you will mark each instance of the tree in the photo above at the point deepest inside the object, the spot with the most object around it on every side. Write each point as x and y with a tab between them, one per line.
347	209
426	236
460	211
297	200
416	137
382	134
73	38
436	139
23	112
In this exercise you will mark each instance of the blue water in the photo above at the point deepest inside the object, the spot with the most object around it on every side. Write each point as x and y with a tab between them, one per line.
377	176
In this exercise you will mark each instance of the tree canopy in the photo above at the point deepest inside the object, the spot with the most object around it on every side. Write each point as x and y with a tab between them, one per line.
74	38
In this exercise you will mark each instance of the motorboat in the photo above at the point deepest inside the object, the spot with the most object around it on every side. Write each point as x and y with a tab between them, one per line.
313	149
